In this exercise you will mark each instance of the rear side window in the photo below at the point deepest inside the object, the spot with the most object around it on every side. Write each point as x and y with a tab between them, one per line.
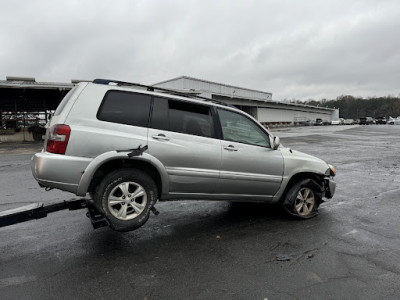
65	100
183	117
125	108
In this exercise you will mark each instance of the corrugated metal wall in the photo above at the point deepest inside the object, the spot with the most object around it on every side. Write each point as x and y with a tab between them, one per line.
268	115
225	89
214	88
172	84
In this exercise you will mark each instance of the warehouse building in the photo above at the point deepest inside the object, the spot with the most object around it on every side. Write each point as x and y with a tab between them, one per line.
256	103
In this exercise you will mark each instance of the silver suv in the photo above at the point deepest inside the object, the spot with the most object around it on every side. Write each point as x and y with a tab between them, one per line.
129	145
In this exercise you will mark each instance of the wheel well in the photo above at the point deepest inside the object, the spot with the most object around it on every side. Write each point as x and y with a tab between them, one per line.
116	164
300	176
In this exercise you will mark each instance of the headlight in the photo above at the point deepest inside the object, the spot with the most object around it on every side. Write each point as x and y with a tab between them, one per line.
333	171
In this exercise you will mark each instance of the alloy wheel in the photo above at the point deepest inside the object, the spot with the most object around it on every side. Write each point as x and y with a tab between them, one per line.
127	200
305	201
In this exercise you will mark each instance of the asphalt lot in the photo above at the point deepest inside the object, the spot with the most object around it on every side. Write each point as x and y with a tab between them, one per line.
216	250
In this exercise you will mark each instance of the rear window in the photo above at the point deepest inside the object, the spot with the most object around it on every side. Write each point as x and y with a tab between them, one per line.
65	100
125	108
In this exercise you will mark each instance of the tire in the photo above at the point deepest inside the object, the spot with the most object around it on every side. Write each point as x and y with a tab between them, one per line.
303	199
125	197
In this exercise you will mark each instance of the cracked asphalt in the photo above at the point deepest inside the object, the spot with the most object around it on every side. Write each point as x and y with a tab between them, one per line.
218	250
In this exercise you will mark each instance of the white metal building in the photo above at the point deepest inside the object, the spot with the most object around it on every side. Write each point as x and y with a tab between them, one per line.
259	104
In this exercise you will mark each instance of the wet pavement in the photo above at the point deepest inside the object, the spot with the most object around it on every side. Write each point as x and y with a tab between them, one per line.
218	250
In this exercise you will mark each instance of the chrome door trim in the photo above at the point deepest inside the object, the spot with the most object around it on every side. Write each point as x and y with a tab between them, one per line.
250	176
195	172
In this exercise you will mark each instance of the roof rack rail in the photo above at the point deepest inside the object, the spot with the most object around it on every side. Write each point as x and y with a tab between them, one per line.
154	88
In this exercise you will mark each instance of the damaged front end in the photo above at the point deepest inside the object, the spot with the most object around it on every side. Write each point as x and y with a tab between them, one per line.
329	185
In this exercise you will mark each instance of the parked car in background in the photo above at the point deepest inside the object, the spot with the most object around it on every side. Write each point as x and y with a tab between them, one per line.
394	121
348	122
319	122
335	122
129	145
309	123
366	121
380	120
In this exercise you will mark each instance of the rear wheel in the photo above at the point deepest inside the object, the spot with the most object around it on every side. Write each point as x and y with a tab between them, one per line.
126	197
303	199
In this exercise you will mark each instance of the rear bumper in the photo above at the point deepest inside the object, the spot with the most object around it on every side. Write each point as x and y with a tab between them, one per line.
58	171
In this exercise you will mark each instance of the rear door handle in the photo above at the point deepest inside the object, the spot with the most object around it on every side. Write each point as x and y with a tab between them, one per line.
160	137
230	148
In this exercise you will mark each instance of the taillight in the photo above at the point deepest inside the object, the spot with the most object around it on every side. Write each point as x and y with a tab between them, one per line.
58	139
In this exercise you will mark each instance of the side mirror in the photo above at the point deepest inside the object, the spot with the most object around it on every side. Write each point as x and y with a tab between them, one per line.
276	143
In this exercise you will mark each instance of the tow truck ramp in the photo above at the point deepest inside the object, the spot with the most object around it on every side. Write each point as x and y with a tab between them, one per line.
40	210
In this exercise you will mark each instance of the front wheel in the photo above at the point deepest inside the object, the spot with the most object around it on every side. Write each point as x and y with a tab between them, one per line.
303	199
125	197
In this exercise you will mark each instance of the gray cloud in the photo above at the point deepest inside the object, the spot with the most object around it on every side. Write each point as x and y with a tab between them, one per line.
294	49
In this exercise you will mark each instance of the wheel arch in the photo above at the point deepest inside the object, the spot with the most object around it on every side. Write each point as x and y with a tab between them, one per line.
113	160
122	163
318	178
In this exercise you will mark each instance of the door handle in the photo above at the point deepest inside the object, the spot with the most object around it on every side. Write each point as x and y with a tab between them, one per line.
230	148
160	137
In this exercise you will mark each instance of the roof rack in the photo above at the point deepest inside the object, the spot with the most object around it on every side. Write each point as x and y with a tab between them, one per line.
154	88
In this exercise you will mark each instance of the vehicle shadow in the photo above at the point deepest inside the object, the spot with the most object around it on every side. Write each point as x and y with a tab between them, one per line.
198	225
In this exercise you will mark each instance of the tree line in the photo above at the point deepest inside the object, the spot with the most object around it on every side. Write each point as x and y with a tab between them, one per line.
355	107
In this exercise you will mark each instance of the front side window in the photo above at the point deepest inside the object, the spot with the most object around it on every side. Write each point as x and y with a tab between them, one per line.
238	128
183	117
125	108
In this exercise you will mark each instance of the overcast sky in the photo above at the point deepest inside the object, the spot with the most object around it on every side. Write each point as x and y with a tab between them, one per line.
308	49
